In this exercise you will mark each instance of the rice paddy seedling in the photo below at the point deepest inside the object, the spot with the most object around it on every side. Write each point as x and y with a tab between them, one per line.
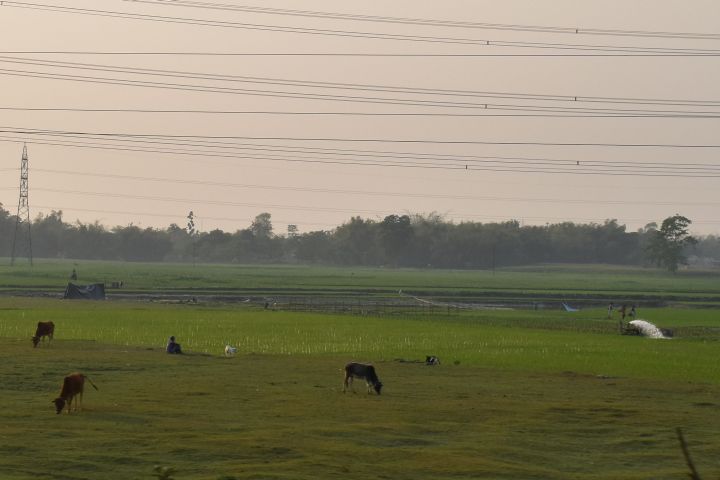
544	341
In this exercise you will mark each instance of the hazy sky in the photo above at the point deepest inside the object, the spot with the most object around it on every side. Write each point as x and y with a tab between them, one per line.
227	184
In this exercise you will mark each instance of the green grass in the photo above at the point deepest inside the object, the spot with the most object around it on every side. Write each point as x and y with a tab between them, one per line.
534	395
564	279
548	340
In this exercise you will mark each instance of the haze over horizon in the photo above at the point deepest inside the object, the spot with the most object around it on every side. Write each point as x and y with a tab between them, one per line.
616	121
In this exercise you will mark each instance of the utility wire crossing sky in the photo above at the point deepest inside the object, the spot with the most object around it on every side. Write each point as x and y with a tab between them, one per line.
540	112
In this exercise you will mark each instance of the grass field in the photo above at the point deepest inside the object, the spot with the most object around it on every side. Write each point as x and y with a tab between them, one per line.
520	394
565	280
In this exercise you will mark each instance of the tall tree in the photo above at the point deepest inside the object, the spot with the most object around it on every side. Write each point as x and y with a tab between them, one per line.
666	245
6	225
49	233
193	235
396	234
262	226
315	247
356	242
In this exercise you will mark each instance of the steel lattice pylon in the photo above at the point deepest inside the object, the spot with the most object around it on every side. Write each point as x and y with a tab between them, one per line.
22	222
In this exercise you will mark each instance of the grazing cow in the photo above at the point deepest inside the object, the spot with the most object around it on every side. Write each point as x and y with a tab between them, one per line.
230	351
432	360
44	329
362	371
73	385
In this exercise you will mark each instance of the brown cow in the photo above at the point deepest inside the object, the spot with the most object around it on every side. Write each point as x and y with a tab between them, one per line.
44	329
365	372
73	385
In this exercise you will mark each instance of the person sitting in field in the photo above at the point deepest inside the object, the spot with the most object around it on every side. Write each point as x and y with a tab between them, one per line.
172	346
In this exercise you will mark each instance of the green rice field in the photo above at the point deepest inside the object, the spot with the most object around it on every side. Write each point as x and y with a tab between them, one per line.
531	394
567	280
500	338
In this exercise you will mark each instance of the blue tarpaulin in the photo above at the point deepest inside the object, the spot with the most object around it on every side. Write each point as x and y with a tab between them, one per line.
95	291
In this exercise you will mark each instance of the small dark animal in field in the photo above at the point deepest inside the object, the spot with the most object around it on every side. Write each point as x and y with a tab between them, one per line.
73	386
44	329
432	360
364	372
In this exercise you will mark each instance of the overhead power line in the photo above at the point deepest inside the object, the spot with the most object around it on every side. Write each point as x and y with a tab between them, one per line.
432	22
560	110
351	114
367	158
527	96
206	201
314	152
355	34
182	216
305	209
32	131
368	192
496	165
342	54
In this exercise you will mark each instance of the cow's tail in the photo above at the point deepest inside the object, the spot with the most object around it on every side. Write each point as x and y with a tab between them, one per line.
91	382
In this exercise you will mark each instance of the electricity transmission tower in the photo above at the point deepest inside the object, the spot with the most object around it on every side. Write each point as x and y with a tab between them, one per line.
22	222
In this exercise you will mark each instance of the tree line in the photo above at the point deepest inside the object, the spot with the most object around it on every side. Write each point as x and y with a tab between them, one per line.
427	241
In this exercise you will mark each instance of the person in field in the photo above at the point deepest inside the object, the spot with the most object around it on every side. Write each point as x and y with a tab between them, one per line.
611	307
173	347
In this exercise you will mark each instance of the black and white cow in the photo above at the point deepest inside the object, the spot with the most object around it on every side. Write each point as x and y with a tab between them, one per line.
432	360
364	372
